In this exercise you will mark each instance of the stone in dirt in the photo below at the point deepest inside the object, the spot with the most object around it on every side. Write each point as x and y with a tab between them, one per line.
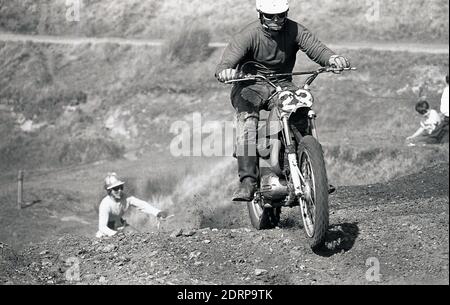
89	277
176	233
189	233
153	253
109	248
259	272
194	254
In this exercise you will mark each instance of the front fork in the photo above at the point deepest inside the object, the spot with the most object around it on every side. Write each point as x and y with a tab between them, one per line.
297	178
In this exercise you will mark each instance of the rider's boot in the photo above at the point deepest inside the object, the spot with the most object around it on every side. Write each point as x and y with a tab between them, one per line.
248	171
246	190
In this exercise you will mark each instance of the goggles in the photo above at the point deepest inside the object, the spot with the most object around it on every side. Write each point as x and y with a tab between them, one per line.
272	16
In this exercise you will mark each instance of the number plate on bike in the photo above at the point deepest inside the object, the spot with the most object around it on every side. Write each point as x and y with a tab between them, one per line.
291	101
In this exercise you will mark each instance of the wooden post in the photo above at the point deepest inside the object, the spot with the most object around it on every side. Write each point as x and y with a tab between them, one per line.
19	190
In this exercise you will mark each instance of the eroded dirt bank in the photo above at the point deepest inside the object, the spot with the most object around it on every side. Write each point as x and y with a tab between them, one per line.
402	225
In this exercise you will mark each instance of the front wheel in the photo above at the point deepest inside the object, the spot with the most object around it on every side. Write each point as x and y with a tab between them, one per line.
314	204
263	218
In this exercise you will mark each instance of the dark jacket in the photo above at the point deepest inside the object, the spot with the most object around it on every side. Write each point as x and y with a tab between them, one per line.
276	51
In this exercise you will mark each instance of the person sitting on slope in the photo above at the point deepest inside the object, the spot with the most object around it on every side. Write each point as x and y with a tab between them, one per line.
116	203
429	126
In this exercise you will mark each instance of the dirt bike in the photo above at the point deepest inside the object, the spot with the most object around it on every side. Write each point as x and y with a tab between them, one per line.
291	162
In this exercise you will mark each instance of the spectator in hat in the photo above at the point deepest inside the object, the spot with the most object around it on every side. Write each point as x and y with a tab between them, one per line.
116	203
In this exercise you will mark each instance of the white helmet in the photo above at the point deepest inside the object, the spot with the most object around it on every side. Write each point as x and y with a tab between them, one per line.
272	6
111	181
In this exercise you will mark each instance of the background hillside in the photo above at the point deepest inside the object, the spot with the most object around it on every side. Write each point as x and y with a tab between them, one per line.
66	105
334	21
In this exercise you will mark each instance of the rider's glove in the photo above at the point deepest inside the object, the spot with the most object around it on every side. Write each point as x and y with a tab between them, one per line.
227	75
338	61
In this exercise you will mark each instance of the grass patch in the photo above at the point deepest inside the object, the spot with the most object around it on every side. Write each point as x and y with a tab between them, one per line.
345	20
31	152
189	45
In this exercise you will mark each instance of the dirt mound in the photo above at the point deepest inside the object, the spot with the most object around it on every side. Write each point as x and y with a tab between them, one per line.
380	233
365	164
9	261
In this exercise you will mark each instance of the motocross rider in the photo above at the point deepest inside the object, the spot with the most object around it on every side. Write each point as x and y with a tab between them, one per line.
116	203
273	41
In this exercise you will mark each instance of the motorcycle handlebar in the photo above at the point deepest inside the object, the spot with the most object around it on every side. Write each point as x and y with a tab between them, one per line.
318	71
240	77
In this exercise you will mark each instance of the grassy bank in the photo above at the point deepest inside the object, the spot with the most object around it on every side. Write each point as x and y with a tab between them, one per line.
68	105
336	21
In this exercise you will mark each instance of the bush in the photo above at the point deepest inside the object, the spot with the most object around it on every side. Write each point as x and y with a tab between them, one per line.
35	150
188	46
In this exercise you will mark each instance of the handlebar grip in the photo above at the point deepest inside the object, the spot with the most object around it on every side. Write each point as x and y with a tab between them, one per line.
239	75
336	69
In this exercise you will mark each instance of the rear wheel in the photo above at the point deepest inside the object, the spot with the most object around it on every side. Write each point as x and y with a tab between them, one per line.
314	204
263	218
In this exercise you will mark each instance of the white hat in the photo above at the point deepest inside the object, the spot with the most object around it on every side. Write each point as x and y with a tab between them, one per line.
111	181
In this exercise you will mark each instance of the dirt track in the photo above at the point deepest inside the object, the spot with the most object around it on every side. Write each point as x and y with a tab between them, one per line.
397	47
403	225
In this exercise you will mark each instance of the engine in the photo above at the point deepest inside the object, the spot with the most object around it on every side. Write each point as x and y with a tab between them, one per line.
273	188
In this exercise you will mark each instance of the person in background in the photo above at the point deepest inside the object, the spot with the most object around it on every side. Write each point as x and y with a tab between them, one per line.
429	130
444	112
116	203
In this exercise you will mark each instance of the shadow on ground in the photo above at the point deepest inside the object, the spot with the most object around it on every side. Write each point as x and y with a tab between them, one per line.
339	238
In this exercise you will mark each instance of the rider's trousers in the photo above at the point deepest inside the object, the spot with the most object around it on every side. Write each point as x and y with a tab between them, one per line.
248	101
